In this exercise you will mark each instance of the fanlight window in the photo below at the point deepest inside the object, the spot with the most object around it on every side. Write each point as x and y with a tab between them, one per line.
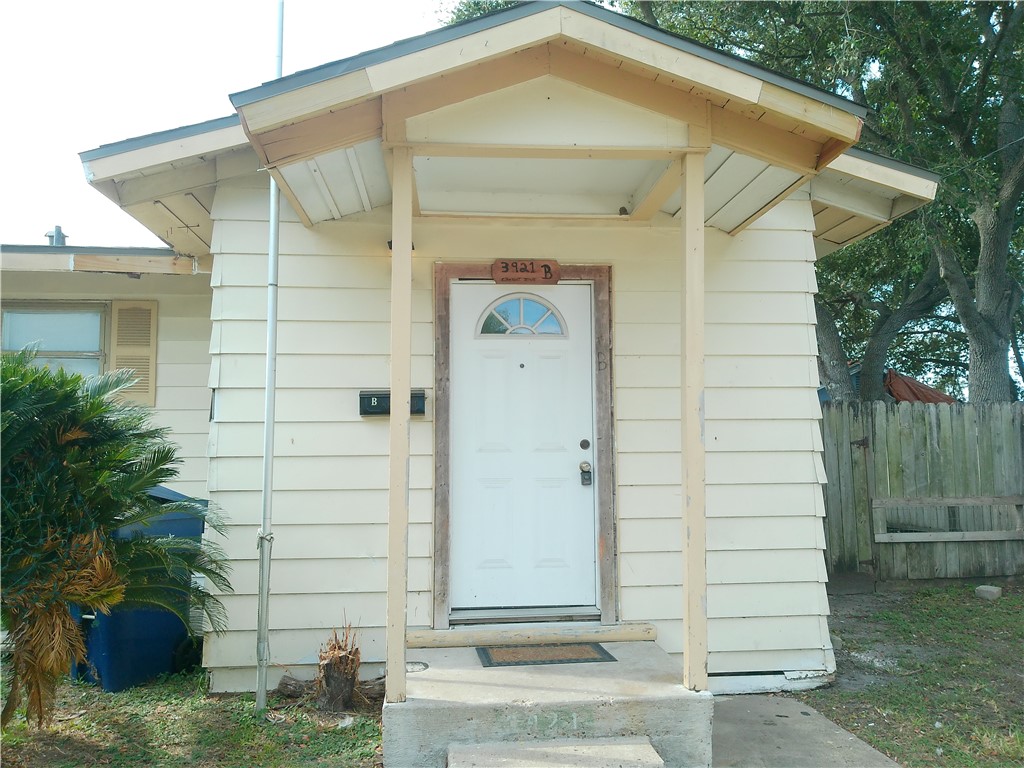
521	315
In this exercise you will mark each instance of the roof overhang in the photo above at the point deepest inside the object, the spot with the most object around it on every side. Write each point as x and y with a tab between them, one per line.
546	110
860	193
129	261
167	180
471	101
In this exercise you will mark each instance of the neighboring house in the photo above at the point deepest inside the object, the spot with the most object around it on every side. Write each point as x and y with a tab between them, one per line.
625	435
93	310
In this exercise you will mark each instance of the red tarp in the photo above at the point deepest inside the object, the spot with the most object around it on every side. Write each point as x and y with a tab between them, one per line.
907	390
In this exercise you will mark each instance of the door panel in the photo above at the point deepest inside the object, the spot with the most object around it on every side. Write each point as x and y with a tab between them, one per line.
523	527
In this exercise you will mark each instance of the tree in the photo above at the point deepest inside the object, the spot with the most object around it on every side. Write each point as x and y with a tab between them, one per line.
75	466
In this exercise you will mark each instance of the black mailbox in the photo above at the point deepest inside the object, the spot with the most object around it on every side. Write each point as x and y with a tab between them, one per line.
377	402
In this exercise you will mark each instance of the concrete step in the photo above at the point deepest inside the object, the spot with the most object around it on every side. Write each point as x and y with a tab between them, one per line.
454	699
625	752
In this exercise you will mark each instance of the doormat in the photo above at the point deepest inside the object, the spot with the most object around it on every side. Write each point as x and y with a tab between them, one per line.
525	655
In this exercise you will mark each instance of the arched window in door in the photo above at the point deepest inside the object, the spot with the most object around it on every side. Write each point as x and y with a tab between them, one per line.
521	314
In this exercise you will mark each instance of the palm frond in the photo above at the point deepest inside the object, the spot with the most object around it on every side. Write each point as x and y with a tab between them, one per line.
76	465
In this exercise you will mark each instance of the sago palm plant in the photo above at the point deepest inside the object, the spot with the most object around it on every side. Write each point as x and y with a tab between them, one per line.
75	466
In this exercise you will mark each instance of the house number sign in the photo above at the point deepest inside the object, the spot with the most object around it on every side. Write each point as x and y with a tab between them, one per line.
542	271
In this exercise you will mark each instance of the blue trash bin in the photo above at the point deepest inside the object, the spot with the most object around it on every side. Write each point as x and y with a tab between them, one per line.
131	646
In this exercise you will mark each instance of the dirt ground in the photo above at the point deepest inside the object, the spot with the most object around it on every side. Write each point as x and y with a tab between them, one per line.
865	653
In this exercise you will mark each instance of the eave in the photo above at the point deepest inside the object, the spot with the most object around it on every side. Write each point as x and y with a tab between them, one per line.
860	193
131	261
327	135
304	127
166	180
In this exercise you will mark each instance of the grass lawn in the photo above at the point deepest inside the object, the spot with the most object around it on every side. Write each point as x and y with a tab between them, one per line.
933	678
173	722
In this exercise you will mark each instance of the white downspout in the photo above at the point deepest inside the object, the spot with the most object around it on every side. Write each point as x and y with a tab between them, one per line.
265	536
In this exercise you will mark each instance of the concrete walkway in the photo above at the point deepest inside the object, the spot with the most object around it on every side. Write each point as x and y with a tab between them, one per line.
756	731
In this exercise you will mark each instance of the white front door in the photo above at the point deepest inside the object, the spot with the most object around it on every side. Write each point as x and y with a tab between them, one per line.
523	513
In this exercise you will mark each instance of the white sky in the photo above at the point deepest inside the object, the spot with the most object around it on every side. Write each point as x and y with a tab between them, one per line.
75	74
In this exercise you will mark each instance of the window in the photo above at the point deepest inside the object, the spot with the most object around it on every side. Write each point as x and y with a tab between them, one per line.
521	315
69	336
88	338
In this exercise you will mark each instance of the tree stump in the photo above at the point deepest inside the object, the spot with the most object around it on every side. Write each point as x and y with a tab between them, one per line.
339	685
339	671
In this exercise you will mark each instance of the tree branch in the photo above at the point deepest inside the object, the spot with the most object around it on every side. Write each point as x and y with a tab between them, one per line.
646	8
956	282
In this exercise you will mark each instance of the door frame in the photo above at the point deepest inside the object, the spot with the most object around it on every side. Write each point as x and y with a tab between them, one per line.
600	278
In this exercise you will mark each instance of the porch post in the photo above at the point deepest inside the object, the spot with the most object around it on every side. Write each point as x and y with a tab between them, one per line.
398	454
695	642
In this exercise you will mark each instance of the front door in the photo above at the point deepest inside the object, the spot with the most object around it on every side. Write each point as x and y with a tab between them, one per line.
523	485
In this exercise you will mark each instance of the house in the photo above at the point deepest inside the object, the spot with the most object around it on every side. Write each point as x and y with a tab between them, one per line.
591	245
95	309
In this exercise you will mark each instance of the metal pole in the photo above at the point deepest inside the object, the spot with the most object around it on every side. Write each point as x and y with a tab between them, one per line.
265	536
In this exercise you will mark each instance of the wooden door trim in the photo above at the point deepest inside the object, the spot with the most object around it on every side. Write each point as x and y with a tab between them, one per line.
600	277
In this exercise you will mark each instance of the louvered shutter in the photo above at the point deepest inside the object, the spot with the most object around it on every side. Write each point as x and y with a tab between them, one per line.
133	345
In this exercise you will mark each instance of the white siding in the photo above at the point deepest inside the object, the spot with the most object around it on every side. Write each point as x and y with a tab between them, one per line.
182	356
766	571
766	593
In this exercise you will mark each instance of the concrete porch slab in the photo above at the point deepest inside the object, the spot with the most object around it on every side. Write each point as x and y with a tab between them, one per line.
457	700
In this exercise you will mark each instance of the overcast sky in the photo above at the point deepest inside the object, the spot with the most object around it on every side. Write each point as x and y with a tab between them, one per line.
76	74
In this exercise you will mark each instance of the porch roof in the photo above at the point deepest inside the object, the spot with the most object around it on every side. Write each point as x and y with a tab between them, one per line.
562	110
491	20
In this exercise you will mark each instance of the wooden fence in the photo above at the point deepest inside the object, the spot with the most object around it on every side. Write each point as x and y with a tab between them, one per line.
922	491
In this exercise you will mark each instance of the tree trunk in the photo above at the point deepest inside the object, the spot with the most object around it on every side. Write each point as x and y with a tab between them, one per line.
987	311
833	365
873	364
989	379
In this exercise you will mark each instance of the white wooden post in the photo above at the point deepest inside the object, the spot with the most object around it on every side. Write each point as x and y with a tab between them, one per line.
695	619
398	461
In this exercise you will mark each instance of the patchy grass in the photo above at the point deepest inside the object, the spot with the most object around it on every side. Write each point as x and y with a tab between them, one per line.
172	722
932	678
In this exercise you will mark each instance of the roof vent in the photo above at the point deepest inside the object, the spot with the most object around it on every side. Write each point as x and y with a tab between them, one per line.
57	237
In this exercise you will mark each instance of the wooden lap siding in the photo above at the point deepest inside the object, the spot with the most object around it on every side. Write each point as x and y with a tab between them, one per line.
766	576
331	468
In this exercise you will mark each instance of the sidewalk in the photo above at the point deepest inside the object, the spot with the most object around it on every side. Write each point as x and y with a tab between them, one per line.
756	731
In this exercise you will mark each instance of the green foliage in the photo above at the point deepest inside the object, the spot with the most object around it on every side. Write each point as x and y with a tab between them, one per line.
472	9
75	465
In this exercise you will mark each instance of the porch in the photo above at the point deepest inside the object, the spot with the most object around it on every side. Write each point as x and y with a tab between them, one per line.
456	701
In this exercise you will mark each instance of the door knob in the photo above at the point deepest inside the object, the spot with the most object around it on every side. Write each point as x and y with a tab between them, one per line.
586	473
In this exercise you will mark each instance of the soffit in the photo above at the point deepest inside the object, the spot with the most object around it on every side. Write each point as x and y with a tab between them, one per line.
546	147
169	185
859	193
